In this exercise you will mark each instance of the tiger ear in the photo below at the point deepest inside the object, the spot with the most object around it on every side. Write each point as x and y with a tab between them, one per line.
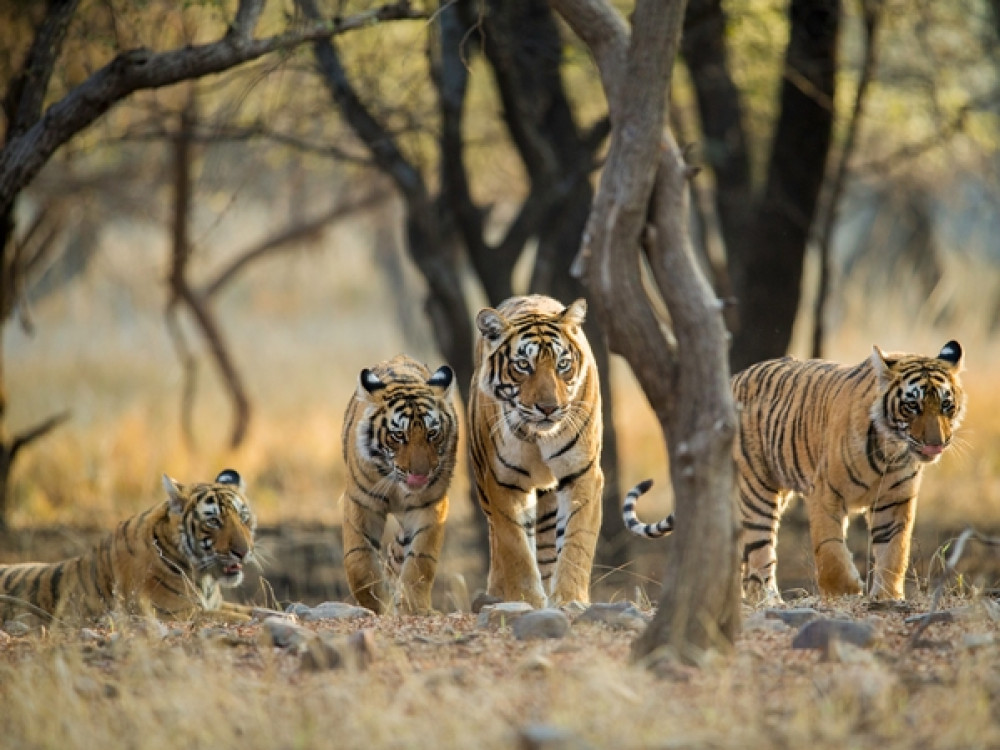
491	324
175	494
368	383
443	378
230	476
881	364
576	313
953	354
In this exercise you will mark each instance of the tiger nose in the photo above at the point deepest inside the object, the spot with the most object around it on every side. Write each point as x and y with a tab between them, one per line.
548	409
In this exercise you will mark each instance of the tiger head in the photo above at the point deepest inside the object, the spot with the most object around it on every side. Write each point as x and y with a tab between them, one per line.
535	364
410	432
215	524
921	401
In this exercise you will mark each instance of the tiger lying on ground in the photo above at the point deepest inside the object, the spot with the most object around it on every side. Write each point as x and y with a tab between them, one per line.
846	438
400	439
169	561
535	435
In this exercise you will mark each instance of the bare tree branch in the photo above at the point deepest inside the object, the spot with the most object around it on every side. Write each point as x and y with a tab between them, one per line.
183	293
288	238
133	70
25	438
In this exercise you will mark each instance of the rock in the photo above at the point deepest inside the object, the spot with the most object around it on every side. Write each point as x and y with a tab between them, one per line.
760	621
327	651
282	632
362	647
501	614
974	641
17	627
548	737
298	609
819	634
322	653
484	600
335	611
618	615
542	623
794	617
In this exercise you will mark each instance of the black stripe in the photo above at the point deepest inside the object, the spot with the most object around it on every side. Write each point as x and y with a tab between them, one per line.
570	478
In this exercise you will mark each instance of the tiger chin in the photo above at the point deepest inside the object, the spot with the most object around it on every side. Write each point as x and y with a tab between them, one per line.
400	441
535	436
169	562
847	438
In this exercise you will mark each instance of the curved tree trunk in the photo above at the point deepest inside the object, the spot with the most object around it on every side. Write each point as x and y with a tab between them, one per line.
684	373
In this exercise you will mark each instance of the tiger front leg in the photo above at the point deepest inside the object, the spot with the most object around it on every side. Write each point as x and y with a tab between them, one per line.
513	575
580	522
835	571
362	561
891	531
424	533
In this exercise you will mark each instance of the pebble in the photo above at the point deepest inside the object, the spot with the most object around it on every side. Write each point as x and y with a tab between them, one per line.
501	614
334	611
282	632
542	623
819	634
794	617
617	615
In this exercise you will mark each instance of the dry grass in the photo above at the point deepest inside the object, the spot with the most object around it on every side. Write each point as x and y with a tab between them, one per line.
441	682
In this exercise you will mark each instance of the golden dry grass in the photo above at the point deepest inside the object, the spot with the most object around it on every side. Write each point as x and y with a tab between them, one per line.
441	682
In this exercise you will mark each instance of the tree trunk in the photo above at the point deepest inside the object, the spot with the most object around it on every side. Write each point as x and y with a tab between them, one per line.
684	375
766	232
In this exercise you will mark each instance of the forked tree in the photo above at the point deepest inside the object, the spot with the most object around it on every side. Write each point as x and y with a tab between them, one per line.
639	222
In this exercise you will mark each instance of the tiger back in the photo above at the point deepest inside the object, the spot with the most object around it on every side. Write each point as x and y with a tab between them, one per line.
847	439
169	561
400	441
535	435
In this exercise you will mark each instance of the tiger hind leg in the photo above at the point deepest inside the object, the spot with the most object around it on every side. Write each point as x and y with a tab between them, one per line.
761	515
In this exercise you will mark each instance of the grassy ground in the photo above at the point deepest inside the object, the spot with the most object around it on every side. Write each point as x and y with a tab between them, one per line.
442	682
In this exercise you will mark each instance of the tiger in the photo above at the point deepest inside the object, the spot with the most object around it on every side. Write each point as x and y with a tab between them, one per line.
400	440
169	562
535	428
848	439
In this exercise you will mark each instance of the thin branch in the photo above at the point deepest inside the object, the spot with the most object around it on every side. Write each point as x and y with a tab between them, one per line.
26	95
138	69
23	439
189	378
947	573
289	237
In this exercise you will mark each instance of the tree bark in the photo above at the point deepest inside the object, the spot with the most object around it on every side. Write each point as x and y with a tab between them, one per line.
684	373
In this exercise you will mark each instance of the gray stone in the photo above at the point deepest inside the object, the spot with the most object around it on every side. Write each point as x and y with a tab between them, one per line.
760	621
335	611
548	737
618	615
501	614
282	632
794	617
542	623
819	634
